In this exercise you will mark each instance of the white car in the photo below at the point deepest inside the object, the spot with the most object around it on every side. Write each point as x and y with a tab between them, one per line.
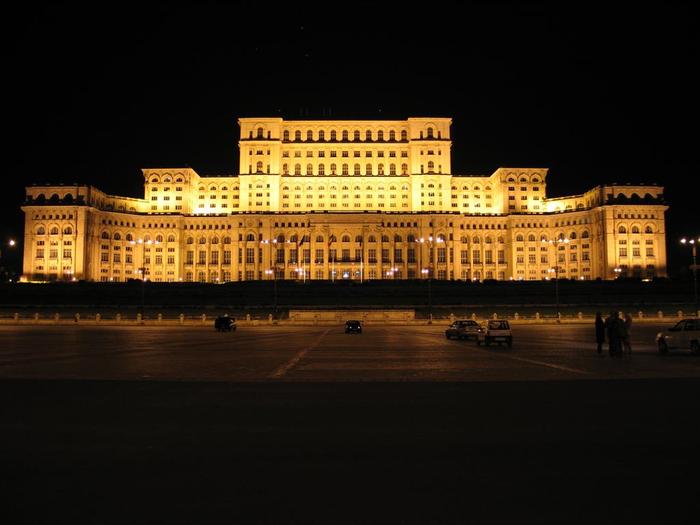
495	331
684	335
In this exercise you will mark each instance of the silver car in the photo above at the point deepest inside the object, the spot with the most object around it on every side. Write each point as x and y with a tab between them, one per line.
684	335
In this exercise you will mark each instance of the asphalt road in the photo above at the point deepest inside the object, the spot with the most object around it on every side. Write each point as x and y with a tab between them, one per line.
309	425
318	354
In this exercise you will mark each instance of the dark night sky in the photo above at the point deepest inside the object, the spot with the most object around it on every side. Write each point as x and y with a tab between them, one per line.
597	95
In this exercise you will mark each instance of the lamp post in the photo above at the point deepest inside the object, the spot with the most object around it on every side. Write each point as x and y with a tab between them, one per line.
428	272
142	269
271	272
617	271
11	243
693	243
555	269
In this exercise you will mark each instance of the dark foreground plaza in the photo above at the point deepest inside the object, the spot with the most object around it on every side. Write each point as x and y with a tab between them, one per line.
280	424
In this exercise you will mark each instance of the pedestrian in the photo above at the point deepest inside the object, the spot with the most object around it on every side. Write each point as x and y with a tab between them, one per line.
599	331
615	330
626	339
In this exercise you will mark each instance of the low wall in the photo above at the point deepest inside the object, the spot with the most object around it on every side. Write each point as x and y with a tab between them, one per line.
340	316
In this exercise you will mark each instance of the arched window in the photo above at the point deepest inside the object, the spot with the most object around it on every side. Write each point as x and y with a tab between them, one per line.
392	169
297	169
321	169
68	231
215	240
380	169
356	135
622	229
190	240
358	238
334	135
250	237
501	240
404	169
431	166
585	234
171	238
227	240
345	135
345	169
319	238
259	167
309	169
260	133
285	168
159	238
368	135
309	136
463	239
380	136
345	238
333	169
117	236
410	238
475	240
648	229
129	237
280	238
371	238
368	169
488	240
202	240
635	229
104	235
321	136
404	135
397	238
285	135
297	135
385	238
430	132
573	236
531	237
356	169
392	136
293	238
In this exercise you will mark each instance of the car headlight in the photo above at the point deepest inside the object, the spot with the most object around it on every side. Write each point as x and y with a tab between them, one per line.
659	336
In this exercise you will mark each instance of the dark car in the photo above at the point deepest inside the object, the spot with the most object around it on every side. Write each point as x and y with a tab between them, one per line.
353	327
462	329
224	323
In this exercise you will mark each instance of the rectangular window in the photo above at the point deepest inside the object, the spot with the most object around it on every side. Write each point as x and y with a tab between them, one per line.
398	255
202	257
319	256
227	258
476	256
214	258
117	258
411	255
501	257
650	252
464	257
249	256
346	254
159	259
280	256
442	255
488	255
623	252
372	255
189	258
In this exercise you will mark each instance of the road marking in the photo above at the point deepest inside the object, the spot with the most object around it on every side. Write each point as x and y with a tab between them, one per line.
282	370
544	363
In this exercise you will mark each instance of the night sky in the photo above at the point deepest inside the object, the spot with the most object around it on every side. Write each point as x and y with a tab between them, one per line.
598	95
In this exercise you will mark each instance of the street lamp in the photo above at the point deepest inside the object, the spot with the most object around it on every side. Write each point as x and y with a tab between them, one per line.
692	243
142	269
271	272
11	243
617	271
555	271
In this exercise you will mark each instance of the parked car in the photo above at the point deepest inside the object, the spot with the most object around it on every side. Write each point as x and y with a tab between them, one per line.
353	327
495	331
463	329
684	335
224	323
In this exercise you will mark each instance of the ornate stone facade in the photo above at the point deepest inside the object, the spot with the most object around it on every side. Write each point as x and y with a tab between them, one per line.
343	200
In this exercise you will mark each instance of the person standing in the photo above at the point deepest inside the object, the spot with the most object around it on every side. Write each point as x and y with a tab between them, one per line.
599	331
626	339
614	329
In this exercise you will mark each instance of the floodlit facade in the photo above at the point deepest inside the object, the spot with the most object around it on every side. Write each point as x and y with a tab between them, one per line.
332	200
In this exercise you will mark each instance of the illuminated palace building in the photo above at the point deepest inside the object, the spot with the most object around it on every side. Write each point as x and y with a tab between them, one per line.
355	200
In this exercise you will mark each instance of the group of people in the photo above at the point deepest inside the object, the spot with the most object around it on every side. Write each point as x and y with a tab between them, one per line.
617	330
